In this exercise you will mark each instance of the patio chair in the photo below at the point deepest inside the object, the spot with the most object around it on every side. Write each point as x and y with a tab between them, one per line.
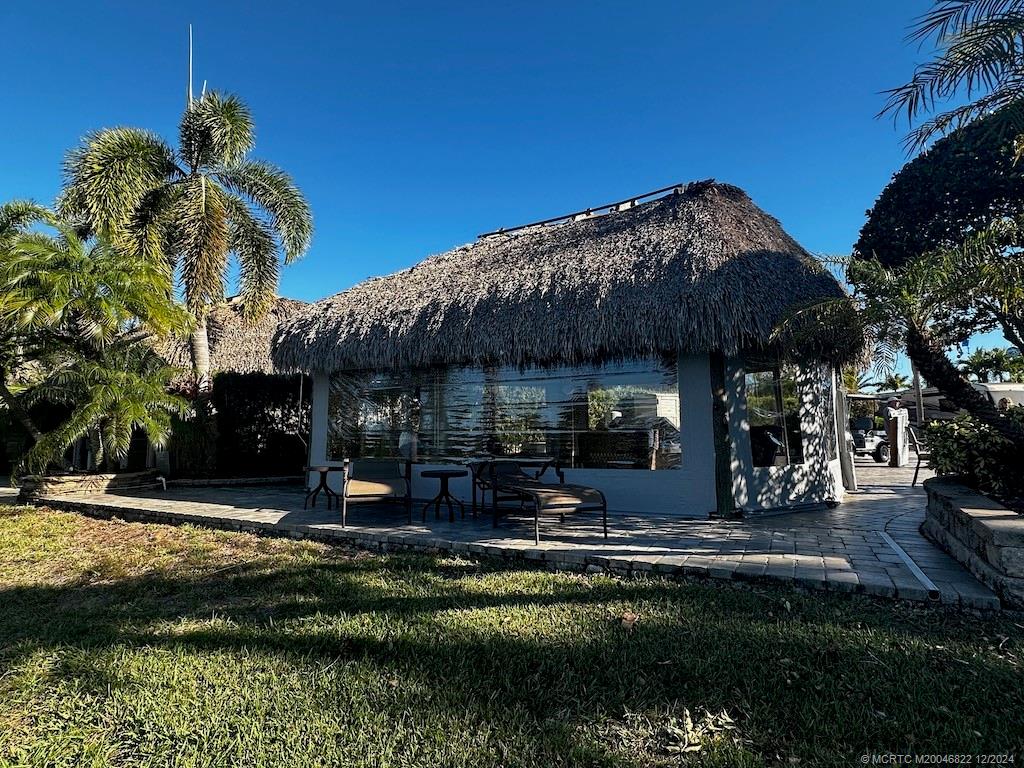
506	469
378	479
920	446
509	482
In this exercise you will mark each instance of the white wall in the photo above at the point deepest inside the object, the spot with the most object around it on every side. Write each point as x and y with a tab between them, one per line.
816	480
685	492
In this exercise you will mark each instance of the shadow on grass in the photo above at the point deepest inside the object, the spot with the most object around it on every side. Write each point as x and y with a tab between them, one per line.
827	675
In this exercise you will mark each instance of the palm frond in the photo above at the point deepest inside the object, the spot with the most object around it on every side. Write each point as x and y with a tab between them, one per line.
17	215
108	176
201	239
951	17
979	57
273	190
253	244
215	130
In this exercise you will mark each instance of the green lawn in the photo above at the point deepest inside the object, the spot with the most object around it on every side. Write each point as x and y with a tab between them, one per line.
129	644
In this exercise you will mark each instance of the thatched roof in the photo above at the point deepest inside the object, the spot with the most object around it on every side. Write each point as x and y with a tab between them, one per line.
697	270
235	345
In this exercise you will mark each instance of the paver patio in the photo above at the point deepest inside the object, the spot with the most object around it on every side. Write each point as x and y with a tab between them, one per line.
848	549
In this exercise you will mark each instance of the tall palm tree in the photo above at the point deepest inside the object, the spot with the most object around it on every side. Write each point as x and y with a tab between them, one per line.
196	206
978	60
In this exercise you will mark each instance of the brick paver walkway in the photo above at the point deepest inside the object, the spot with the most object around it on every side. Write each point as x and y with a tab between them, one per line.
845	549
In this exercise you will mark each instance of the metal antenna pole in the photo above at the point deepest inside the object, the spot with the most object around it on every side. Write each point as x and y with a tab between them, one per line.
190	65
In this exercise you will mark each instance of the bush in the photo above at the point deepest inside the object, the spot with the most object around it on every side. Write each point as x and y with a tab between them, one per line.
974	451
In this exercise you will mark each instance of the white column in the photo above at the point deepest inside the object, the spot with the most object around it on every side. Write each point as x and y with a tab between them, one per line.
696	435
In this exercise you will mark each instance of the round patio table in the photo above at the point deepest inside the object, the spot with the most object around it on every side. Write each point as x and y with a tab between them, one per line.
444	475
314	492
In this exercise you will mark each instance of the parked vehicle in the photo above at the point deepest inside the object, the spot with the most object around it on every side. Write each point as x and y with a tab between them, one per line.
868	441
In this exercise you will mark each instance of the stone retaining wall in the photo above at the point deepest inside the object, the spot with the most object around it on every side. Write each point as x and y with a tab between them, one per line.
982	534
203	482
34	486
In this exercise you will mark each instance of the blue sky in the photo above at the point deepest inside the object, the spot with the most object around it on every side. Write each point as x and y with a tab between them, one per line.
414	126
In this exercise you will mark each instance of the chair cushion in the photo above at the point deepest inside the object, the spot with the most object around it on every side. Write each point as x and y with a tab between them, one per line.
558	497
375	488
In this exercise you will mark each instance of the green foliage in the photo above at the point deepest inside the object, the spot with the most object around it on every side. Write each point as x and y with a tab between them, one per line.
986	365
893	382
261	424
959	186
977	64
976	452
122	388
76	317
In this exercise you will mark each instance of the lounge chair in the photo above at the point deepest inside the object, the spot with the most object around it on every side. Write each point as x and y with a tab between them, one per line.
508	481
379	479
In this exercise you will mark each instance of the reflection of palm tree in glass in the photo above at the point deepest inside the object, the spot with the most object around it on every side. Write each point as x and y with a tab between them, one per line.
518	422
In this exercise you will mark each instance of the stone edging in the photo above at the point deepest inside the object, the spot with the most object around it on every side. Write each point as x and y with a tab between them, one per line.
670	565
203	482
36	486
986	537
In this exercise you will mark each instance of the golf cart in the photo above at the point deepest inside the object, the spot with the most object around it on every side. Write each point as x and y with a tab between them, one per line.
868	441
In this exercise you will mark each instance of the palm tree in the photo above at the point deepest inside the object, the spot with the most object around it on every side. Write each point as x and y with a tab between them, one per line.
988	364
196	206
127	388
81	315
893	382
1000	364
919	306
978	60
976	365
16	218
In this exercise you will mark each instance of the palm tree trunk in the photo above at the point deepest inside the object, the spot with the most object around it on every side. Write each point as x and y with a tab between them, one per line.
204	435
19	411
918	397
1013	330
200	345
930	359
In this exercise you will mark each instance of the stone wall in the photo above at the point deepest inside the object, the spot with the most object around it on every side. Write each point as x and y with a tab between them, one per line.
982	534
34	486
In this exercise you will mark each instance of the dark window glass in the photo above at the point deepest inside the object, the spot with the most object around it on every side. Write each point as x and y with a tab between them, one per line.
617	416
773	412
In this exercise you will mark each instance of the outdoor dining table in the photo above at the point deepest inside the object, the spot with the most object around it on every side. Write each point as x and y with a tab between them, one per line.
444	494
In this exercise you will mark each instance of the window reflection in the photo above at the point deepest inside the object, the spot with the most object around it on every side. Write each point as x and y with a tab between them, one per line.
773	412
617	416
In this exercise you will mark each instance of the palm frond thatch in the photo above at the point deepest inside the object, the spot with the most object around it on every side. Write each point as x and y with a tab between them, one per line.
698	270
237	344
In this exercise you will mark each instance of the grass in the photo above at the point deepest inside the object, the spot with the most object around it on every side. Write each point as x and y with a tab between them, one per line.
129	644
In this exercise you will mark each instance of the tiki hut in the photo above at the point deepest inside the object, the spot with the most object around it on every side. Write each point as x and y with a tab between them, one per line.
633	342
236	346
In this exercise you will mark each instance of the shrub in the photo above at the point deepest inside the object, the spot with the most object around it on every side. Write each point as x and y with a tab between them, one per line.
975	452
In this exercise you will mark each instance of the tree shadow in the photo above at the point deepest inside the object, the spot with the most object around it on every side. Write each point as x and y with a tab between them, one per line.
541	658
